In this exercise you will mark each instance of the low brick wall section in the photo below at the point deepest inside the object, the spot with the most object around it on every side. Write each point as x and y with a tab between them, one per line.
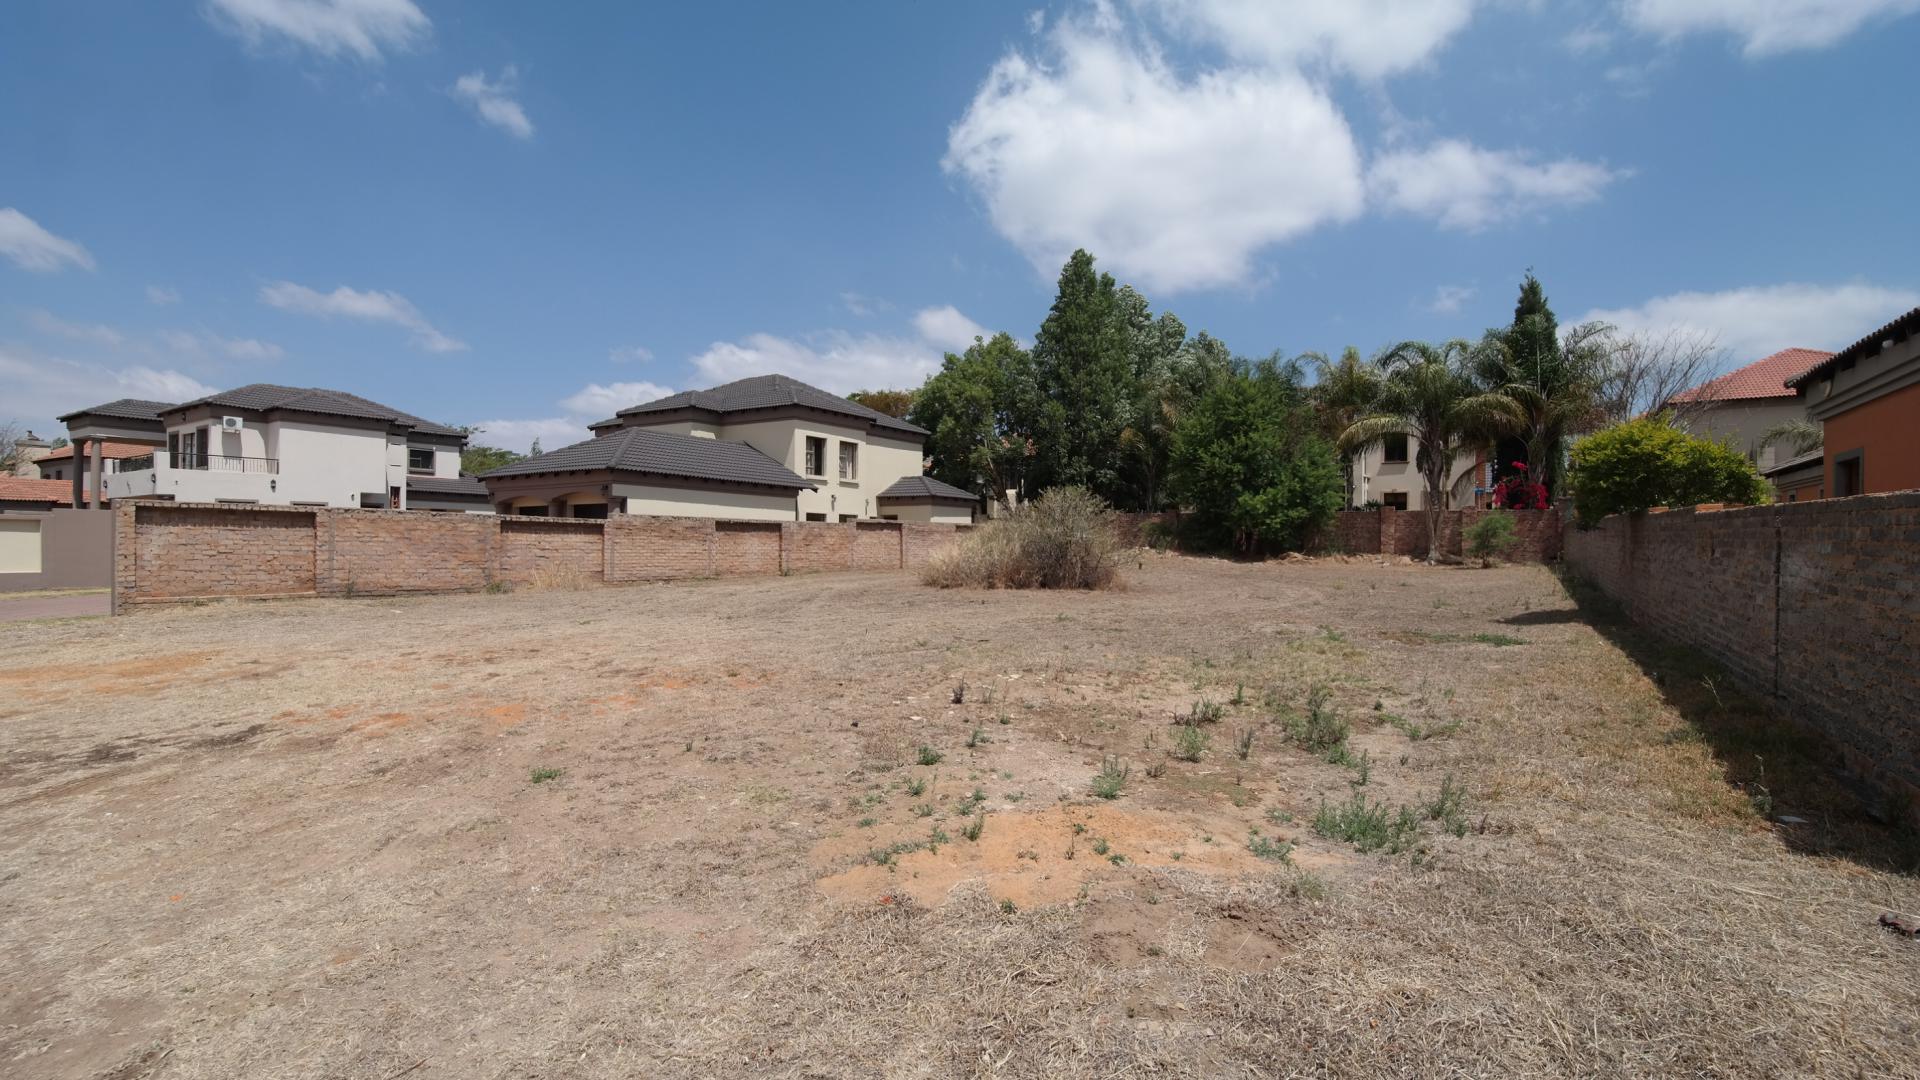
1810	605
179	551
192	551
1404	532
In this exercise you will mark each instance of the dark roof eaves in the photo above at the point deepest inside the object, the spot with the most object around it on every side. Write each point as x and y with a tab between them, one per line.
1900	328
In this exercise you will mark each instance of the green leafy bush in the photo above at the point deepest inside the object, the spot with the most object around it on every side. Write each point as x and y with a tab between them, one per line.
1492	536
1062	540
1649	462
1247	466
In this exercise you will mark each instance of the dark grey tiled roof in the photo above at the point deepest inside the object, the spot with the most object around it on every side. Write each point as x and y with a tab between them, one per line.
125	408
1811	457
447	485
1896	331
924	487
264	397
770	392
661	453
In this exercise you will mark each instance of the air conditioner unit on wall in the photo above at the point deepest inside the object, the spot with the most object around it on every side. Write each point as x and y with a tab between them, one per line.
231	423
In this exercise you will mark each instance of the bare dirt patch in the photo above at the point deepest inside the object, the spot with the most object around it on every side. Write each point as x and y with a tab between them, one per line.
722	828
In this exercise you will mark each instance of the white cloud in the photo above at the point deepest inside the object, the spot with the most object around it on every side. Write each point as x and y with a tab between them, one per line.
553	432
161	296
592	402
193	343
1370	38
1176	183
946	328
97	333
364	28
842	362
1449	299
630	354
862	305
41	387
1765	27
493	100
1759	320
597	401
1463	186
835	360
369	306
34	248
1588	39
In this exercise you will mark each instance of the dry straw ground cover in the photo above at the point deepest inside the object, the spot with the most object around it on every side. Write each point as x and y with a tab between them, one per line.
1439	824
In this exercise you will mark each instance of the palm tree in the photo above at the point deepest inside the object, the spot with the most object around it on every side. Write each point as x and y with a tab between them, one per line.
1801	436
1557	389
1343	392
1430	396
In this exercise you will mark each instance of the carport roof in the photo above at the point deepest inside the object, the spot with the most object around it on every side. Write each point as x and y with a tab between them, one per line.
910	488
661	453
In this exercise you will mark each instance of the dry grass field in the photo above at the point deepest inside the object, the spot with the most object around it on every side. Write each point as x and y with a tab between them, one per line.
744	828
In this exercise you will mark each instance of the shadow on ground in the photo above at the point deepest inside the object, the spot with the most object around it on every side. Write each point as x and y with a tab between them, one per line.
1792	773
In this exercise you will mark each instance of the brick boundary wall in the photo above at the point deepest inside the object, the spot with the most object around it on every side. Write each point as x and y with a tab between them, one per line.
167	551
1812	606
1404	532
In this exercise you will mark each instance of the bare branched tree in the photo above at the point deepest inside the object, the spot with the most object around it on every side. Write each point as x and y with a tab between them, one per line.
1643	372
9	453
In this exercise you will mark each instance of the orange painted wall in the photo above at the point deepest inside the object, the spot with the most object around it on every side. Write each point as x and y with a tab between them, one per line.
1888	429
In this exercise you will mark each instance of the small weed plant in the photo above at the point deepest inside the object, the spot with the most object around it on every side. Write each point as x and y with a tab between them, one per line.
1111	778
1189	742
1368	826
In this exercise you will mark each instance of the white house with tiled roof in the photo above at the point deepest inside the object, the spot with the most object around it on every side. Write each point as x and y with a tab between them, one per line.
275	445
769	448
1744	403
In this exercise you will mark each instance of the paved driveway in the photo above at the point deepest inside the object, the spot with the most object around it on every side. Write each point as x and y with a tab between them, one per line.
14	609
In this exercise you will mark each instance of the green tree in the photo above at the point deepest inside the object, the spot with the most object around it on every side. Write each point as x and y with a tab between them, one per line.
477	459
1162	387
1556	381
1085	384
1343	392
1248	464
895	403
976	408
1649	462
1430	396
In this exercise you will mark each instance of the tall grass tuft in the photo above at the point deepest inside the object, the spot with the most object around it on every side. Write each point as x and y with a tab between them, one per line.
1063	540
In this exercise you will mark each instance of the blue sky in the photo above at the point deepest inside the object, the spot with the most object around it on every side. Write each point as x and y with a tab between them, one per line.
526	216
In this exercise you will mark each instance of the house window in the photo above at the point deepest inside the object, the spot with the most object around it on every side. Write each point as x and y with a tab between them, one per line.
849	517
590	510
1850	474
1394	500
849	461
1395	447
816	456
420	459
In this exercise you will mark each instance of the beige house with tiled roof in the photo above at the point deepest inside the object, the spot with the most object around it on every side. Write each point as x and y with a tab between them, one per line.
766	448
1742	404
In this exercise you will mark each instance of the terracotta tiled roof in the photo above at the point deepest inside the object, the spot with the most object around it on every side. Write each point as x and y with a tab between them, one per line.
20	489
111	451
1766	378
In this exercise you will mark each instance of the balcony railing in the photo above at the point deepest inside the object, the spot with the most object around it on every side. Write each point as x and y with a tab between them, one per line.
135	464
223	463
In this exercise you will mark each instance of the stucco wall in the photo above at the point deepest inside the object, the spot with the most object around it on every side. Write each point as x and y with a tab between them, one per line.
1743	423
71	549
881	462
1810	606
743	503
1887	431
1374	477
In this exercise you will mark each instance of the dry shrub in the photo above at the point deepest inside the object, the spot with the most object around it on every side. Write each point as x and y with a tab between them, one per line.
560	578
1063	540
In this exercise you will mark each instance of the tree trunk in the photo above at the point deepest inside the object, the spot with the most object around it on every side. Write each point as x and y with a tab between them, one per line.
1436	505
